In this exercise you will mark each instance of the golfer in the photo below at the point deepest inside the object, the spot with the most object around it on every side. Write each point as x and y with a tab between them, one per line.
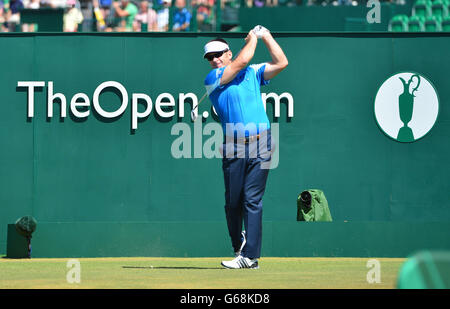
233	87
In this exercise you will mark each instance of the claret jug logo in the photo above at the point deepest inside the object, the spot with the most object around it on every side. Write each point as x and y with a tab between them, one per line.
406	107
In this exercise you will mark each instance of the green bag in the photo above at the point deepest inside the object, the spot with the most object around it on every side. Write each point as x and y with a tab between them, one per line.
312	205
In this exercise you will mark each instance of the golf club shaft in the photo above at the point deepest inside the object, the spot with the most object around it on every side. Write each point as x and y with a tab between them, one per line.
201	99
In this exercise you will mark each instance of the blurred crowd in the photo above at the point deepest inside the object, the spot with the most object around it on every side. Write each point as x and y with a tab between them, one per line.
139	15
110	15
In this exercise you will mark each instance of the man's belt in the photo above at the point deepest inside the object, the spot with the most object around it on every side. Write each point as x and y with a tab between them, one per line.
249	139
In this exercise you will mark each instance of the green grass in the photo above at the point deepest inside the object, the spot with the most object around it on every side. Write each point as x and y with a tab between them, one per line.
198	273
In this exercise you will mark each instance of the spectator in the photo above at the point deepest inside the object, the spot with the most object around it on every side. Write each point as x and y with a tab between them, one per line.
259	3
45	4
182	17
58	3
28	3
99	16
105	4
1	9
33	4
104	7
163	16
146	16
127	11
13	14
271	2
2	17
72	17
204	13
344	2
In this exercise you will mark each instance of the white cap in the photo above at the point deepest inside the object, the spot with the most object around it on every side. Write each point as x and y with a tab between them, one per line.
215	46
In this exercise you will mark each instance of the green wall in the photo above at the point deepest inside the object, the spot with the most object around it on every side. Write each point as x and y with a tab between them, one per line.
99	188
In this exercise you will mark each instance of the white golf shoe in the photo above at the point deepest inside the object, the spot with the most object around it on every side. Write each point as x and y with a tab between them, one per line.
241	262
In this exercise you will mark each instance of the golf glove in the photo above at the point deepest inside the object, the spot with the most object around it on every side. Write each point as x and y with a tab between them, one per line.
259	31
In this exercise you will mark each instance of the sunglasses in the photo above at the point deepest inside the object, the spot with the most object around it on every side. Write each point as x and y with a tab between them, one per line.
211	56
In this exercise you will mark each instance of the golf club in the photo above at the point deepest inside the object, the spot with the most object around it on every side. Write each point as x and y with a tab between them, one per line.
194	115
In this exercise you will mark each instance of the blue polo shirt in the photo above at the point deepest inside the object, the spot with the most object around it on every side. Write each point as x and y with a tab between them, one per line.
239	102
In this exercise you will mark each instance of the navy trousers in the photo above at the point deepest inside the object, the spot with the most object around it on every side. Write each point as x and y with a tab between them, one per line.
245	183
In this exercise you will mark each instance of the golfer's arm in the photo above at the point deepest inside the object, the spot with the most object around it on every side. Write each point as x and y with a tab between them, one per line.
241	61
279	59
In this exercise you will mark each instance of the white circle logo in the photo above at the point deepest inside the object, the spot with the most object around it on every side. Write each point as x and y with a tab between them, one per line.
406	106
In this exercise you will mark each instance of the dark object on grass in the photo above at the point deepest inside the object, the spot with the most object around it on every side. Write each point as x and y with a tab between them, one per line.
25	226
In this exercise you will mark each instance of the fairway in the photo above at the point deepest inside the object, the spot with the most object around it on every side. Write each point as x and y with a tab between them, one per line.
198	273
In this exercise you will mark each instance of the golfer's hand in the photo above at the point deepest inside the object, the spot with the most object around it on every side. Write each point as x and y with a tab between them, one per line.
250	37
266	35
260	31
